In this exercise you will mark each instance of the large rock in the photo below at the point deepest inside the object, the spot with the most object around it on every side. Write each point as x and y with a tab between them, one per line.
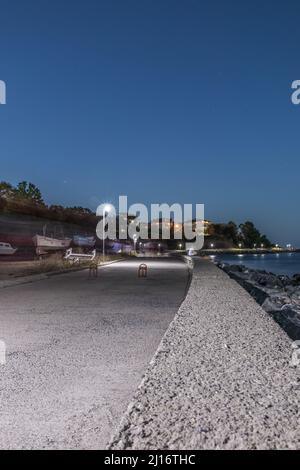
288	318
296	279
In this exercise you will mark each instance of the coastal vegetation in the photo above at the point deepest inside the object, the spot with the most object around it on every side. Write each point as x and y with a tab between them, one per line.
26	198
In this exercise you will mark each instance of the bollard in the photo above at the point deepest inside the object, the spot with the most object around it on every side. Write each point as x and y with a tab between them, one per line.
143	270
93	269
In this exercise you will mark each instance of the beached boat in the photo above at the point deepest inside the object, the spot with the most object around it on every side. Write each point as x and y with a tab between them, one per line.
7	249
45	244
84	241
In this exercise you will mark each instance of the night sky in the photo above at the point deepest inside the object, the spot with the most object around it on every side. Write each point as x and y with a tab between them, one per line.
164	101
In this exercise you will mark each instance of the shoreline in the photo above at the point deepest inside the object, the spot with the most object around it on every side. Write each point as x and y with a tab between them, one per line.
250	251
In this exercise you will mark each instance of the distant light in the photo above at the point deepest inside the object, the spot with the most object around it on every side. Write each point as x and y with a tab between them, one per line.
211	245
240	245
262	245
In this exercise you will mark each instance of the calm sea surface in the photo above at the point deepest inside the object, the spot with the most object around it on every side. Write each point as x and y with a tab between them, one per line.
277	263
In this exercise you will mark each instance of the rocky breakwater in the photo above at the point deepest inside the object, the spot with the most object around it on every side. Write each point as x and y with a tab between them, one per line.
279	295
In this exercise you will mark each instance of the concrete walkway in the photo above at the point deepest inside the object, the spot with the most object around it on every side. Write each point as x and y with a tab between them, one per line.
221	378
77	350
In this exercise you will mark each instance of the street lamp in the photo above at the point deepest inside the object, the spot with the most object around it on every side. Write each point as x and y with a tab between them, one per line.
106	209
240	245
211	245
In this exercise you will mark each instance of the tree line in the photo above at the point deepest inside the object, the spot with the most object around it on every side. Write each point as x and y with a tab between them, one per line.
245	235
26	198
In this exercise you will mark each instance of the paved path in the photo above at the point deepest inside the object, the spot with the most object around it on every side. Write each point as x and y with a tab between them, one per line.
77	349
221	378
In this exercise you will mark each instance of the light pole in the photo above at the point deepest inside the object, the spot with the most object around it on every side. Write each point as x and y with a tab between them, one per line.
134	242
106	209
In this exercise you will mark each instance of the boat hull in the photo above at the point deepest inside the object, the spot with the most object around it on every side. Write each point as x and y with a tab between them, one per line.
88	242
6	251
46	244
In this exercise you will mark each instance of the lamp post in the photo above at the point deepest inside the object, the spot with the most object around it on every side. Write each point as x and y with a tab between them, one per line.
134	242
106	209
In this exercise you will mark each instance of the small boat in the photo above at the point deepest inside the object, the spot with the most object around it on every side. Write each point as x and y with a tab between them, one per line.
7	249
84	241
45	244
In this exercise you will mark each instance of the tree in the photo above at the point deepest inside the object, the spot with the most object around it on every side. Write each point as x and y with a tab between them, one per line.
231	232
250	236
265	241
6	189
29	191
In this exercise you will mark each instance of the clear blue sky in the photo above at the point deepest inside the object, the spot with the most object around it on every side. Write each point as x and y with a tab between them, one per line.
162	100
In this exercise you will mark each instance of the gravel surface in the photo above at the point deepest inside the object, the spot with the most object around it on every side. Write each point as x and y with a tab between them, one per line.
77	350
221	377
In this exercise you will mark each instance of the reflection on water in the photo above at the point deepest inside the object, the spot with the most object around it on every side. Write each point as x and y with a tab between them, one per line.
278	263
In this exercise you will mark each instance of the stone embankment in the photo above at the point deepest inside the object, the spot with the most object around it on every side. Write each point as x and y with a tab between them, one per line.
222	377
278	295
